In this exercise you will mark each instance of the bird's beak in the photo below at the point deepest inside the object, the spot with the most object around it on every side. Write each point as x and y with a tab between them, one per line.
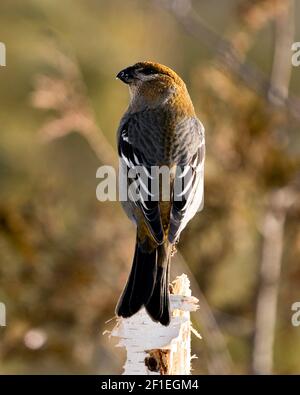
126	75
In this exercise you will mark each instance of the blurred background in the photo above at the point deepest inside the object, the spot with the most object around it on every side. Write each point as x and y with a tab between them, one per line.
64	256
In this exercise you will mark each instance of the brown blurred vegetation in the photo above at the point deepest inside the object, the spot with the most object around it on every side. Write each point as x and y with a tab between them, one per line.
65	256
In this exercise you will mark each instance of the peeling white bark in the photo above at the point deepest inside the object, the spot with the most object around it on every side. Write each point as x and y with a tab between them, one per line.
156	349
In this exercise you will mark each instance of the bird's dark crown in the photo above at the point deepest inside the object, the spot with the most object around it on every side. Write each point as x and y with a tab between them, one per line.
155	68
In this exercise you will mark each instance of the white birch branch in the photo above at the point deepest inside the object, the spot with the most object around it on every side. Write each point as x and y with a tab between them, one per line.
156	349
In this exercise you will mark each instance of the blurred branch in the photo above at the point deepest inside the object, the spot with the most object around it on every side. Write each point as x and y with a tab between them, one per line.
66	95
282	68
228	57
279	202
270	269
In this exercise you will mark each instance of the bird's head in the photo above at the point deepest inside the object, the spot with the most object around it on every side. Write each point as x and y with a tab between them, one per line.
153	84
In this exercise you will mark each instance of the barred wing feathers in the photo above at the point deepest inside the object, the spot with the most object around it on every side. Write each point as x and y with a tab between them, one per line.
187	189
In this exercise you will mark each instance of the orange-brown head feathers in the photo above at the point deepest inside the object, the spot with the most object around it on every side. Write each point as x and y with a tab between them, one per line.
153	84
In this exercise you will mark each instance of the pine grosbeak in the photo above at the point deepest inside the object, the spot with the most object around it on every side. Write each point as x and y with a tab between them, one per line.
159	128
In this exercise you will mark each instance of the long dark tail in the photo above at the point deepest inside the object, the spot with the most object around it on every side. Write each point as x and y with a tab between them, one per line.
158	306
147	285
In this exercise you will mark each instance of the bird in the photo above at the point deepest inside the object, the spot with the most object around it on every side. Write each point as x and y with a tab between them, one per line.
159	130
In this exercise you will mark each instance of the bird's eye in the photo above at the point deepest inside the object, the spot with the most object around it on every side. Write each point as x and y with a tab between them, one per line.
149	71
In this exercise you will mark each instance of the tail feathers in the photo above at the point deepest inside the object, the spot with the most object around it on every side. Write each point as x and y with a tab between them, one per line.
158	307
140	284
147	285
